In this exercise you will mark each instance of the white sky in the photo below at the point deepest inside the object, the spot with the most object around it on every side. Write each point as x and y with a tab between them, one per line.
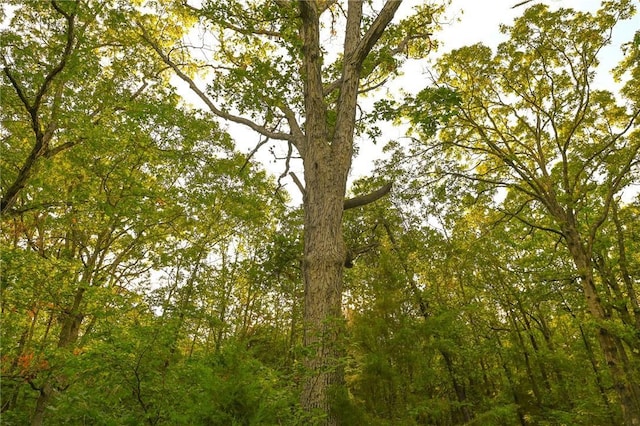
479	21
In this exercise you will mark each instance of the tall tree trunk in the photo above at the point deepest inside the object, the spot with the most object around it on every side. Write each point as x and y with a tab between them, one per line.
326	162
325	144
512	384
41	404
624	269
324	256
628	392
597	374
527	360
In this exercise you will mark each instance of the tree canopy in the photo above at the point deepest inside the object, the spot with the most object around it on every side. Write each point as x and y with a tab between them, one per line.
153	273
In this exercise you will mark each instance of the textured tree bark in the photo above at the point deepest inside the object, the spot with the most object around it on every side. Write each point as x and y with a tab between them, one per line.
327	152
324	255
324	250
41	404
326	147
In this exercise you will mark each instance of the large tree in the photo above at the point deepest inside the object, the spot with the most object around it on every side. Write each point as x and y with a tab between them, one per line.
269	69
101	174
531	122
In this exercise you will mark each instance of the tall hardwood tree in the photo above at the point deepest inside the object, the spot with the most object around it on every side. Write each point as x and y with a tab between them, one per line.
272	73
100	170
531	121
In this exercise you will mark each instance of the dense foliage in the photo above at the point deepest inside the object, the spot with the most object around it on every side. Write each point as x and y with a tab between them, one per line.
152	274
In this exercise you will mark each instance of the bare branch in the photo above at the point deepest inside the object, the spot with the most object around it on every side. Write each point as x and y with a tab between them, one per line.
530	224
287	164
17	88
522	3
293	123
330	87
255	32
354	253
372	87
298	183
363	200
63	147
255	149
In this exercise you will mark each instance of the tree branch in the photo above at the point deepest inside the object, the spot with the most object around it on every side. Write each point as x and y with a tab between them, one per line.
375	31
353	253
298	183
522	3
287	164
194	87
255	149
63	60
253	32
363	200
17	88
42	139
530	224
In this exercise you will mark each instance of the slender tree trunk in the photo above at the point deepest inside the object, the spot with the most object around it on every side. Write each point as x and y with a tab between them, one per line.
293	336
41	404
624	270
462	413
512	385
559	376
527	361
14	388
597	374
626	389
71	322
